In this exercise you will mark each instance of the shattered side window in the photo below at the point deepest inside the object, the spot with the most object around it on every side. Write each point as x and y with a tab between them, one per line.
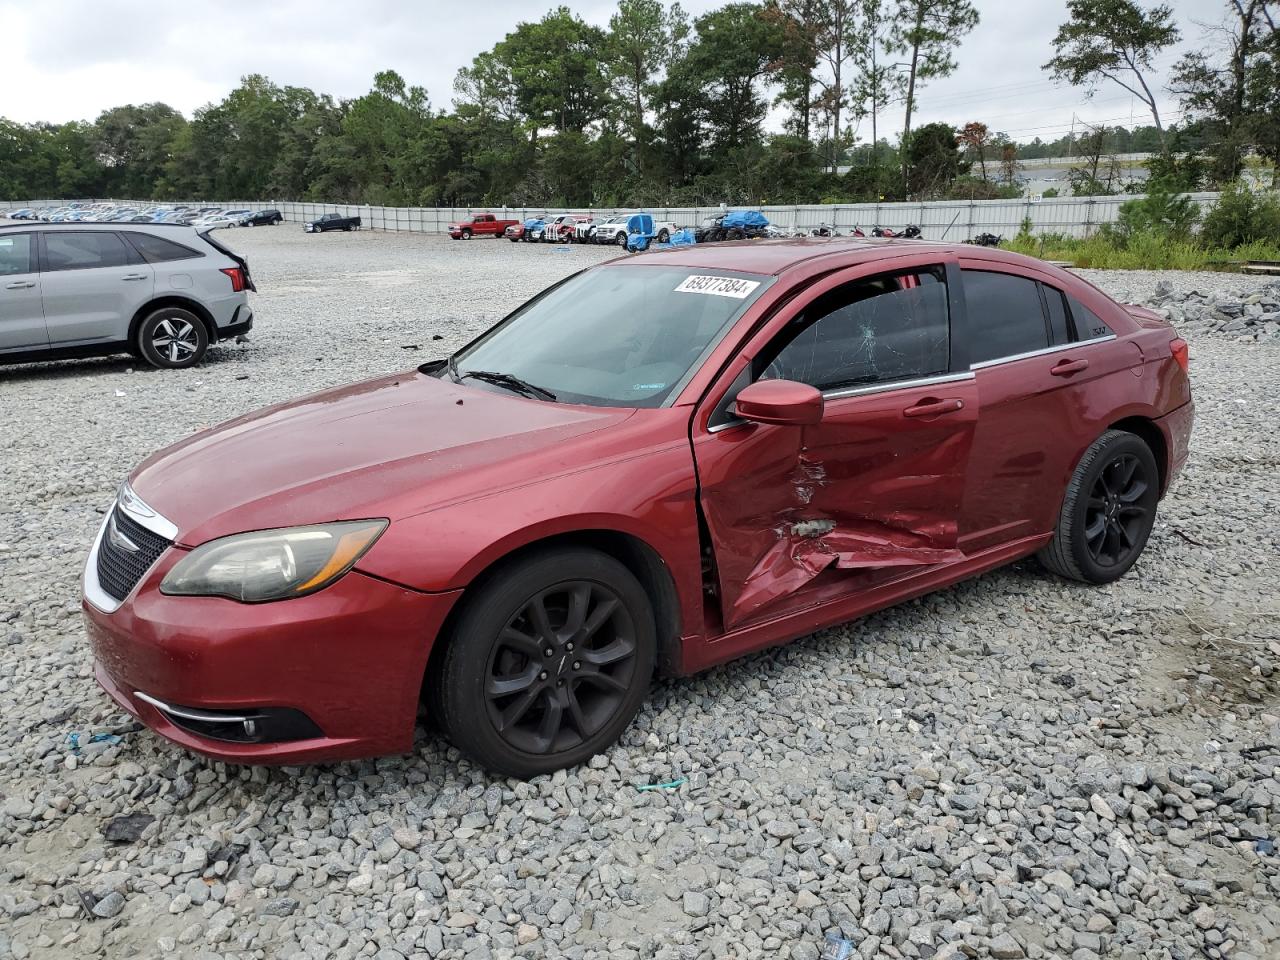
878	330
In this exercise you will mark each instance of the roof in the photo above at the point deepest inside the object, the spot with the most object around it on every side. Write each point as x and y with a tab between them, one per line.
89	225
773	257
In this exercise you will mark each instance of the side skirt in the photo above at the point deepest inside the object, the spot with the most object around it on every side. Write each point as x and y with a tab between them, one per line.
701	654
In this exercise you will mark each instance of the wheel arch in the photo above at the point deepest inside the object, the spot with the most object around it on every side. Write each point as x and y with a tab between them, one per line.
1150	433
173	300
638	556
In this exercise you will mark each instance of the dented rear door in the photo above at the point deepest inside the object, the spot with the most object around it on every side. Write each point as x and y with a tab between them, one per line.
871	493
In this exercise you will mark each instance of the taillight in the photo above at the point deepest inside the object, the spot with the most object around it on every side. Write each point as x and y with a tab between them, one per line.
1181	353
237	278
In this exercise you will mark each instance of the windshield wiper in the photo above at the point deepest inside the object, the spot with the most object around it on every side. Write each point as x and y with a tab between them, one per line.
511	382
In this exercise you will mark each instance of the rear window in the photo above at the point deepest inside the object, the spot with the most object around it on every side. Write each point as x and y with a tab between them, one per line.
155	249
1089	326
1005	315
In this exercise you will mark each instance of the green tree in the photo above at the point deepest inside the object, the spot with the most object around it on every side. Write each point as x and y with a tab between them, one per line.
1228	86
878	83
928	32
933	159
798	24
643	36
730	56
134	144
1114	40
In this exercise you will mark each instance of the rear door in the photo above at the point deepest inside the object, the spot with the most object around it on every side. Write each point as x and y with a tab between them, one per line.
21	313
799	515
92	284
1035	365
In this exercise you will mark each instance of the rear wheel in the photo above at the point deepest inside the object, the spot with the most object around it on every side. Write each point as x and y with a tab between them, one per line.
548	663
172	338
1108	511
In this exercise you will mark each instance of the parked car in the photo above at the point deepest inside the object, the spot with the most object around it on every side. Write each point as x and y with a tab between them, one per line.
331	221
646	468
22	213
268	218
615	229
480	225
561	229
216	222
163	293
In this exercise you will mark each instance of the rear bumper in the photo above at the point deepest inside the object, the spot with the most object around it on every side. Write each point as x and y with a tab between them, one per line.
1176	428
349	658
241	323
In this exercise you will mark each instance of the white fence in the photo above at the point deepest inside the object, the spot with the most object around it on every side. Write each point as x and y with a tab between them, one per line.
939	220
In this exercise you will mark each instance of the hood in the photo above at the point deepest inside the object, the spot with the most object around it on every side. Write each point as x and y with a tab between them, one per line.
391	447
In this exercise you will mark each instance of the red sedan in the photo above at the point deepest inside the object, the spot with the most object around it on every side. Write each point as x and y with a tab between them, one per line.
657	465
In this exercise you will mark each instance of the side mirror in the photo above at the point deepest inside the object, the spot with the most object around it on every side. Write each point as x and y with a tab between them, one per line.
783	402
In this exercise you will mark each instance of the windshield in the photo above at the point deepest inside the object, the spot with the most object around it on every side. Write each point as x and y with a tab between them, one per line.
614	336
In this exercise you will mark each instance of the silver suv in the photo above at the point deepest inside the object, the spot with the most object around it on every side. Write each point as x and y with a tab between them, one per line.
162	292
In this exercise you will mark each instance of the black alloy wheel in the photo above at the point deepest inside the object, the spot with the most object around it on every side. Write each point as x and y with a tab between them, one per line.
1107	512
1116	511
548	662
561	667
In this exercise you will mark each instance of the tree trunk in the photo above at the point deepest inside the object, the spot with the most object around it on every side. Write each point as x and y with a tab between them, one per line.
911	89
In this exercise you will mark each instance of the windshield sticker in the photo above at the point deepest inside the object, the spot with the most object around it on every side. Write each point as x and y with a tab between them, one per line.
647	386
718	286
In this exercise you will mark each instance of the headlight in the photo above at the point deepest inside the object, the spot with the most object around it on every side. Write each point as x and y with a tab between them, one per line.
272	564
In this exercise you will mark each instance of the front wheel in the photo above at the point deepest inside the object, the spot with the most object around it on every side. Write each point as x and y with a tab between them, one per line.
663	236
548	663
1108	511
620	239
466	234
172	338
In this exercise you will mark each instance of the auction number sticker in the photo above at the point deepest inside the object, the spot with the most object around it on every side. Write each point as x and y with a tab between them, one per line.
718	286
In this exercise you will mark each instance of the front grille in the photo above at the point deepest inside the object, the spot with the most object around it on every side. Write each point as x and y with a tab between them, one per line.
120	569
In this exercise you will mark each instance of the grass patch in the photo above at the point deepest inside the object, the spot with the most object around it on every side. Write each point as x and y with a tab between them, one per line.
1142	251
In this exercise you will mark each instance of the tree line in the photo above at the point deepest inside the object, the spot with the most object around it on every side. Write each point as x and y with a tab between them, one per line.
659	108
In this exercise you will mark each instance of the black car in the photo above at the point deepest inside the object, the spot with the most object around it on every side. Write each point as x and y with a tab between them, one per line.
262	218
331	221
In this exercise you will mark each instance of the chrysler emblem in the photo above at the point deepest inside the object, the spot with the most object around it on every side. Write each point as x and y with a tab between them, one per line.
118	539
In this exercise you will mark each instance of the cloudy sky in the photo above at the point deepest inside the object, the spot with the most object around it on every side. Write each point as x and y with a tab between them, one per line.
70	59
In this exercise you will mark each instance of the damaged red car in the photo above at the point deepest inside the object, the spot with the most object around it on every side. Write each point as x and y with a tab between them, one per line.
659	464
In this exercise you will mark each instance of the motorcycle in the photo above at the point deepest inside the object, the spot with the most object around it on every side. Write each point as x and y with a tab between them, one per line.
911	232
824	230
986	240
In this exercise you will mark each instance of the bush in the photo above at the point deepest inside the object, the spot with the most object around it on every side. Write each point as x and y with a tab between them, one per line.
1160	213
1240	217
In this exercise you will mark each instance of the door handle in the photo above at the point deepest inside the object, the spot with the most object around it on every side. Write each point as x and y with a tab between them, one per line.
930	407
134	276
1065	368
20	285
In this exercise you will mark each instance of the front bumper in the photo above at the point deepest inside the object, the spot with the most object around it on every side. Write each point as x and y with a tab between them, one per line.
350	658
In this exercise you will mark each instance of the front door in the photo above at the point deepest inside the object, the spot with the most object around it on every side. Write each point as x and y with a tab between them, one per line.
93	284
21	315
798	515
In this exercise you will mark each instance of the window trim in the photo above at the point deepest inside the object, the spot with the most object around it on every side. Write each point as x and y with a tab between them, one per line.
1058	348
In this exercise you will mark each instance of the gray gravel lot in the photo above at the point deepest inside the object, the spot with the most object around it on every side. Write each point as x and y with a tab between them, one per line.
1014	767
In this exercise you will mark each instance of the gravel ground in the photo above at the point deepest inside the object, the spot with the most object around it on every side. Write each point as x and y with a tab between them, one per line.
1013	767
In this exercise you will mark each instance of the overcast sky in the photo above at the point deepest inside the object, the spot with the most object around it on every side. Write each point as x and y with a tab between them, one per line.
71	59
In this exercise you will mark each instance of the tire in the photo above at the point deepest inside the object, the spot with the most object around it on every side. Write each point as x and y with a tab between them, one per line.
663	236
172	338
620	239
466	234
559	690
514	239
1107	512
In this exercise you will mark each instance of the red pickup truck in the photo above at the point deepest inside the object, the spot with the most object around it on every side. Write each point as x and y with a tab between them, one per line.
479	225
